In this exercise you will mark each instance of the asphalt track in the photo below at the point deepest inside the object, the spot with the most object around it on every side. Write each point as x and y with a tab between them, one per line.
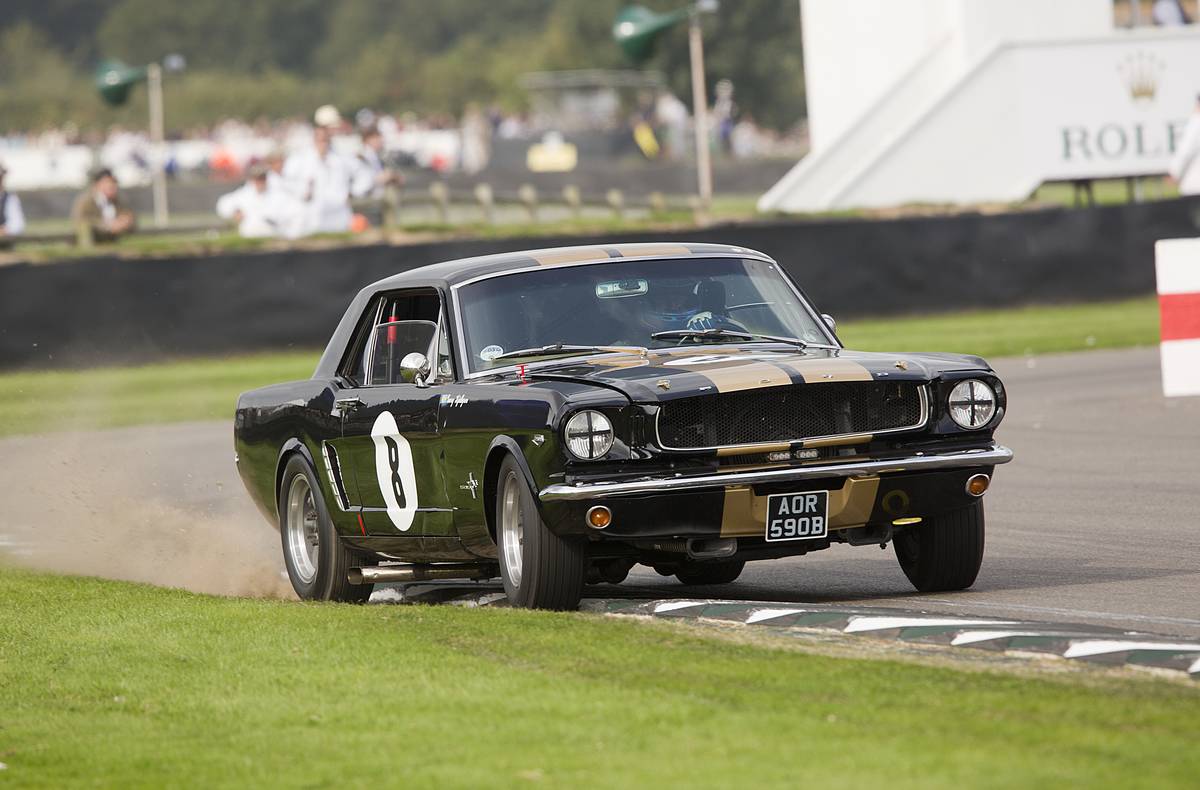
1096	521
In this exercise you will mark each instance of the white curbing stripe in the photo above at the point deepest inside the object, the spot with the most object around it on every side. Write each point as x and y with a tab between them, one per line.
671	606
1194	668
973	637
1099	647
770	614
860	624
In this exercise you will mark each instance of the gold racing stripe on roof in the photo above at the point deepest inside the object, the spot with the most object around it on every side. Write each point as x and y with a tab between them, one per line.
651	250
574	255
817	371
746	376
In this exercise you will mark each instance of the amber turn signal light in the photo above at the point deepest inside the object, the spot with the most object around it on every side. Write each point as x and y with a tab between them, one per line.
977	484
599	517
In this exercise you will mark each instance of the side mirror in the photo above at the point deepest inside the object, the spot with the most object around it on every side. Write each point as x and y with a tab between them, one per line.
829	322
414	369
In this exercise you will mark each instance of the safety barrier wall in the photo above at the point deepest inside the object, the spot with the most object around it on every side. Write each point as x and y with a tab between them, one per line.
111	310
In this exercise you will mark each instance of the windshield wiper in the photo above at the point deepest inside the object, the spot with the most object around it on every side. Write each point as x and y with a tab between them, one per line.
672	334
564	348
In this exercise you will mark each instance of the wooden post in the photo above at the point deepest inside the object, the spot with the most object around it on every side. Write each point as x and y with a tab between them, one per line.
483	193
573	200
700	113
157	157
529	196
441	198
391	206
616	199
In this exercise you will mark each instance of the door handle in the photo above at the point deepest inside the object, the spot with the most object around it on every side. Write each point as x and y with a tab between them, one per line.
343	405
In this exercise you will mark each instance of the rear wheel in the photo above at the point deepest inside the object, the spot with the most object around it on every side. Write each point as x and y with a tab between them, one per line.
317	562
710	572
539	569
945	553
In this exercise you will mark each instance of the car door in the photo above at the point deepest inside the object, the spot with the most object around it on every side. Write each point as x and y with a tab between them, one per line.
390	449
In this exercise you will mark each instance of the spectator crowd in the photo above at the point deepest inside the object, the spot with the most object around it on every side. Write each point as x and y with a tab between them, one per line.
300	176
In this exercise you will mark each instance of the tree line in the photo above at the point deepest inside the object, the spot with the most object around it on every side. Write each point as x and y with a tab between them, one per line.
280	58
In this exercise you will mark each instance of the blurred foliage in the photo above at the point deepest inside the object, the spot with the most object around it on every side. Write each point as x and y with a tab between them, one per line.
283	57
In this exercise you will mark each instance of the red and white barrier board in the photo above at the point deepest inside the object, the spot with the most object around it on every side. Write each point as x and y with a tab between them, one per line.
1178	266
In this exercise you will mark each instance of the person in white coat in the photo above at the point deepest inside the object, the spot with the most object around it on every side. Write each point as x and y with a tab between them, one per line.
1185	164
324	180
12	218
261	209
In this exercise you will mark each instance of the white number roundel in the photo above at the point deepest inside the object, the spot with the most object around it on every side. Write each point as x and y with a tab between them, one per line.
394	468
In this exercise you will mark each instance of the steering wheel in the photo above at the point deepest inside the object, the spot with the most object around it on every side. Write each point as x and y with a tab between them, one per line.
708	320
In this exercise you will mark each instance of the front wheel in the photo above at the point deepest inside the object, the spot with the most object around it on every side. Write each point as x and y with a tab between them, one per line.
317	561
539	569
945	553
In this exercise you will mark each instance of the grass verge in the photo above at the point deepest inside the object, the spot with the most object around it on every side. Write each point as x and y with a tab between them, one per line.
34	402
115	684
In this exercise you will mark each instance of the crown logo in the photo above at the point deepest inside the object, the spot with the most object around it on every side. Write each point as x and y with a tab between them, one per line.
1140	72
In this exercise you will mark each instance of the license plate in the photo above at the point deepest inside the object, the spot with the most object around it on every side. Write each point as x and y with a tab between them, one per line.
801	516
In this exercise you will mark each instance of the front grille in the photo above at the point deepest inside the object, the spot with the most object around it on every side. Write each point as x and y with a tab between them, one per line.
784	414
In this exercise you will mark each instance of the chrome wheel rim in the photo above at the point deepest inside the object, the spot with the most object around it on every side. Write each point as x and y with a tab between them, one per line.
512	527
303	533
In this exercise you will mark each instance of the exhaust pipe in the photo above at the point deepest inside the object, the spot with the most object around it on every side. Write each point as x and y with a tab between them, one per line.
383	574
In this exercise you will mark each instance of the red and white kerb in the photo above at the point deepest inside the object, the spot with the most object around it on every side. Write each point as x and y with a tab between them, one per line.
1178	265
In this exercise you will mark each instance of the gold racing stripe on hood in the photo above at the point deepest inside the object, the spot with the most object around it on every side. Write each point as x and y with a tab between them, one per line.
574	255
746	376
819	371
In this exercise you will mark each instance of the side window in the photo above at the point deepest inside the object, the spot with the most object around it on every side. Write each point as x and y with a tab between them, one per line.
406	322
354	365
394	340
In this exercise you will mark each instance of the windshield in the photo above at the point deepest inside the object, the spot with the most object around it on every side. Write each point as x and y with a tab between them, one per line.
625	303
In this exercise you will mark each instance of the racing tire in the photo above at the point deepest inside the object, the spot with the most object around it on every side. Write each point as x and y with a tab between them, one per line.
945	553
539	569
710	572
316	559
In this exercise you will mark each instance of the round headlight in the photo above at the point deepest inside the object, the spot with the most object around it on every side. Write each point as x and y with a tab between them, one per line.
972	404
589	435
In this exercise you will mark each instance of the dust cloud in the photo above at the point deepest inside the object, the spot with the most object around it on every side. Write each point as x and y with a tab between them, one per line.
156	504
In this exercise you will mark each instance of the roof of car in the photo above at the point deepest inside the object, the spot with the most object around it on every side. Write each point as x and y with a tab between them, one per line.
464	269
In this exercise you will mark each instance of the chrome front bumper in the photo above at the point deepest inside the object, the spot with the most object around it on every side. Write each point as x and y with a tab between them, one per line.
920	462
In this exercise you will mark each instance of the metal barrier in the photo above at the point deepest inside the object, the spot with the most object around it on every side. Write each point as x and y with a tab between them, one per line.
394	208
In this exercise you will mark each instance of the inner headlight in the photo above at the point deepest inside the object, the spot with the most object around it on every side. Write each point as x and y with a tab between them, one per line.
972	404
589	435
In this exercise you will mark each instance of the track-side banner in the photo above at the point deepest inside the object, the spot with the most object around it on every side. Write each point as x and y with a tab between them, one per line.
1177	262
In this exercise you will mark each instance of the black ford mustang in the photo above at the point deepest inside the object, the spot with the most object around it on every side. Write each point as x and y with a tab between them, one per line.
557	416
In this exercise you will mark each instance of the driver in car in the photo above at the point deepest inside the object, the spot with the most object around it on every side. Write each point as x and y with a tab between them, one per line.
712	312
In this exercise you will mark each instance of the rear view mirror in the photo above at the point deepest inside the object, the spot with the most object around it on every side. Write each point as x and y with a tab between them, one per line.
619	289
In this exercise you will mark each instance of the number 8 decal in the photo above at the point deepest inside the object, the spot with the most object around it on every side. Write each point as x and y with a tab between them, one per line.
394	469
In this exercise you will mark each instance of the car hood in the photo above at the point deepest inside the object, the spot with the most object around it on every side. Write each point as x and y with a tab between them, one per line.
665	375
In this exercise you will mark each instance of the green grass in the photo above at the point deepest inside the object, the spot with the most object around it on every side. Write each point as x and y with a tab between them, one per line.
121	685
32	401
196	389
1021	331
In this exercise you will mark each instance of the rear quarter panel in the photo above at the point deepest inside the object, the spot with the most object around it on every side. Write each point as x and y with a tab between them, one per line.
293	415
